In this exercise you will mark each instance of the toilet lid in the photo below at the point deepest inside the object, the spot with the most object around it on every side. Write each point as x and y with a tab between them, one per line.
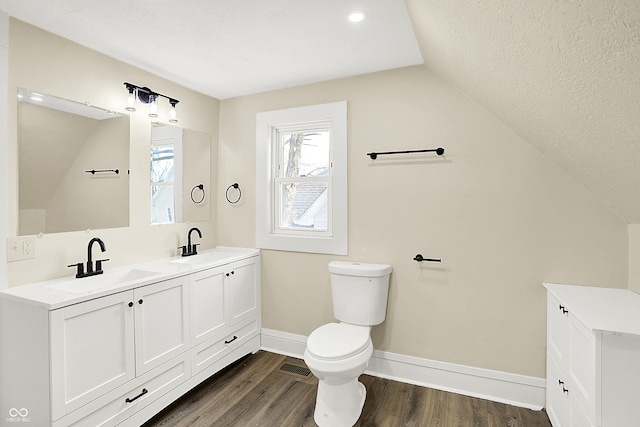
338	341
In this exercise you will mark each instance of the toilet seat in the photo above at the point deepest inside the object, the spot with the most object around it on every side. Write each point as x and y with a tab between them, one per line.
338	341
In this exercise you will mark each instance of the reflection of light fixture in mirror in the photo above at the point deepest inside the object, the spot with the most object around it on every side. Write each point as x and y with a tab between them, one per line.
36	97
147	96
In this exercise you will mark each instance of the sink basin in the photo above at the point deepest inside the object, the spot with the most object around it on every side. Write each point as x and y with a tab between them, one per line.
203	258
102	281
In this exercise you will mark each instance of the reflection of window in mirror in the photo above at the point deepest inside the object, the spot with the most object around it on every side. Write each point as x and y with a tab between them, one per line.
166	174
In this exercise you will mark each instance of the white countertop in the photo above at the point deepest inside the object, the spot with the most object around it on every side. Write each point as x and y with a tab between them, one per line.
601	309
58	293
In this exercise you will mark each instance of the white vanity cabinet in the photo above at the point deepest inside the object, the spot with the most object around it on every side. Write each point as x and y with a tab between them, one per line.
593	356
119	357
225	311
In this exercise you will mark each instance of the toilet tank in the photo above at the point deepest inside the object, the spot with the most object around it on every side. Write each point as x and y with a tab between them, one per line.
359	292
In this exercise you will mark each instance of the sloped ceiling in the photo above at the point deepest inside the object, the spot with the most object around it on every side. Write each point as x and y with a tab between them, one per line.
563	74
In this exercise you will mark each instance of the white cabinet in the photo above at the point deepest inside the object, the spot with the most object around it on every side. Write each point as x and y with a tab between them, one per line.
593	356
123	356
101	344
225	310
92	350
161	322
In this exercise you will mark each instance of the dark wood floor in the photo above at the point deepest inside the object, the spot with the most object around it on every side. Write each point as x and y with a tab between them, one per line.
256	392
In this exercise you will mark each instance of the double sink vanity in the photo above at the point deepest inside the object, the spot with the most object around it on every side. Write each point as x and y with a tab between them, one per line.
118	347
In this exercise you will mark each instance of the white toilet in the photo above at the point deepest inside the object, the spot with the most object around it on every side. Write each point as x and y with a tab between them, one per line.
337	353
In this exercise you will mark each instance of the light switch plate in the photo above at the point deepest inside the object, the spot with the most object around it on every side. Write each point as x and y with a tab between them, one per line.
20	248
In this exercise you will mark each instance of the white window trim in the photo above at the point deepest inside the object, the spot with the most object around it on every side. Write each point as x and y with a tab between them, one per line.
266	122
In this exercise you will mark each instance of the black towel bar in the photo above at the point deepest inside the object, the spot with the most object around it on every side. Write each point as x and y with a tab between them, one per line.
439	151
420	258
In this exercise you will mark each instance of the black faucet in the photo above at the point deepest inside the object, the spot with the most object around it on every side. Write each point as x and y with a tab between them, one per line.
190	249
90	270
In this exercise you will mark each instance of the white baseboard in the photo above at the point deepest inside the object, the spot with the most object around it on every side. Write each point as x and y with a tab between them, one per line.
504	387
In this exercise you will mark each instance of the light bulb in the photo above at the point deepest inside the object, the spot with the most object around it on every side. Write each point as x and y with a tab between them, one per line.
153	106
131	100
173	113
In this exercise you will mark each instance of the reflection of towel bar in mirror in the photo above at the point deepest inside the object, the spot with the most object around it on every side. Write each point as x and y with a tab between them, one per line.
95	171
439	151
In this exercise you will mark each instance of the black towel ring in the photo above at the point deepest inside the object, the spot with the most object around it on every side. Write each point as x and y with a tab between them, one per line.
237	187
201	187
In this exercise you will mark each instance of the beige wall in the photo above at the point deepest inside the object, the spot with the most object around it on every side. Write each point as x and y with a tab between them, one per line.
44	62
4	43
634	257
501	216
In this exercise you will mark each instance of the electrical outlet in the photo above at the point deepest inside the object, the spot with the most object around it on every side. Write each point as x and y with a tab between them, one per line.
20	248
27	248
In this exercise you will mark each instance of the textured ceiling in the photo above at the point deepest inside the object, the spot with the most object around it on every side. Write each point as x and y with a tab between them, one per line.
563	74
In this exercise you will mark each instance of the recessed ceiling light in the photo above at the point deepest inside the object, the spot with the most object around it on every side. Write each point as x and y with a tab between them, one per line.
356	16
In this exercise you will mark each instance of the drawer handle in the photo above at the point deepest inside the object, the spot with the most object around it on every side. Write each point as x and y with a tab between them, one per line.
231	340
144	391
564	310
564	390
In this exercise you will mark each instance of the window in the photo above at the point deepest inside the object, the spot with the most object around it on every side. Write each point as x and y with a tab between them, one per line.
166	176
301	179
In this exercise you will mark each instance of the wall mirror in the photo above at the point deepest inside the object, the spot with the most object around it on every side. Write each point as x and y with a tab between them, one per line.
73	165
180	163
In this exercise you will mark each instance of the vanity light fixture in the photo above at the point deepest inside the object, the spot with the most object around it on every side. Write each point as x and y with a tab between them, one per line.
147	96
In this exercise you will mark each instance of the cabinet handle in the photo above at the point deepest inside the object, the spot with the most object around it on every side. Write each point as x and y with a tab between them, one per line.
130	304
140	301
561	384
144	391
231	340
564	310
233	272
227	274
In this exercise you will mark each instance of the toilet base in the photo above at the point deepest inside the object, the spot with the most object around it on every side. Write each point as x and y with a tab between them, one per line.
339	405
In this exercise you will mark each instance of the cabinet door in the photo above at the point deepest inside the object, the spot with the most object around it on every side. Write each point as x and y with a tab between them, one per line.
584	369
92	350
161	322
242	291
558	403
558	332
206	294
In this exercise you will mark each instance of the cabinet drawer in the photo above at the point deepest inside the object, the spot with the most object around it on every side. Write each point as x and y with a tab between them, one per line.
133	396
209	352
558	402
558	331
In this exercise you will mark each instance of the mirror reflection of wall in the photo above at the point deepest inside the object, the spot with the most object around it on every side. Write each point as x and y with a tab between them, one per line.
180	175
58	140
